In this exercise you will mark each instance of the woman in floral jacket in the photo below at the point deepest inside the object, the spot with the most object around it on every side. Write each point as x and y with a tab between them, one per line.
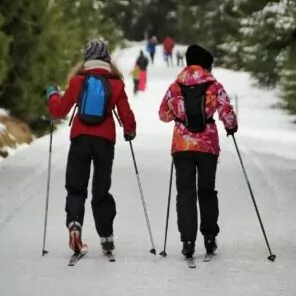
197	151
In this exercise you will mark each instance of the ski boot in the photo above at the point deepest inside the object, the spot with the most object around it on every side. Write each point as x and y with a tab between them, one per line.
107	244
75	242
188	249
210	244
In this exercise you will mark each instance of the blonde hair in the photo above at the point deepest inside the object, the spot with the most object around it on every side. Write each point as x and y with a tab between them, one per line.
78	69
116	72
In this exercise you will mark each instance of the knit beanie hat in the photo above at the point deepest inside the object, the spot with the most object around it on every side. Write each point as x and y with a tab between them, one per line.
197	55
96	49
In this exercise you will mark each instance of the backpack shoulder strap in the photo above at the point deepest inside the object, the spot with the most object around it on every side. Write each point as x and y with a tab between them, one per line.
202	88
83	85
106	84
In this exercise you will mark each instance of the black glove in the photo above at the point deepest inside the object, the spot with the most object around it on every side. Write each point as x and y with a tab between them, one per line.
129	136
231	131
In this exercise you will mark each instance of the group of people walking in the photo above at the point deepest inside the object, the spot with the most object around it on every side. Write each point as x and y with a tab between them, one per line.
168	47
97	88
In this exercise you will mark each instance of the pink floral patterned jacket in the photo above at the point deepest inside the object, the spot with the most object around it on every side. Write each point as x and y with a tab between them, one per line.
172	107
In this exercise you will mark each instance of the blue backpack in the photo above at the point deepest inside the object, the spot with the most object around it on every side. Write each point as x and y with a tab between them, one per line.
93	99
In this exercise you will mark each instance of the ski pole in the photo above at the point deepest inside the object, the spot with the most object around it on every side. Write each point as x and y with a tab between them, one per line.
117	117
47	188
164	253
271	256
153	251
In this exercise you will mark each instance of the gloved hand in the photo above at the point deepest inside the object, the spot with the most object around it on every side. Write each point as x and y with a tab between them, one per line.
231	131
129	136
52	90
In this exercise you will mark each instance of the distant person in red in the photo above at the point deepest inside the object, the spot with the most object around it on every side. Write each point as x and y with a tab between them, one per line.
168	46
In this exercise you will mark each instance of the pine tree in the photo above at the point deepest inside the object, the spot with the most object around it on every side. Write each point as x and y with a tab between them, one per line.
267	35
230	46
288	81
187	21
35	57
4	56
46	38
213	24
140	19
90	19
126	15
159	18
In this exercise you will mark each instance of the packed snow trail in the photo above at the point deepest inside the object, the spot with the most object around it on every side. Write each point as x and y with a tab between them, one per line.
241	267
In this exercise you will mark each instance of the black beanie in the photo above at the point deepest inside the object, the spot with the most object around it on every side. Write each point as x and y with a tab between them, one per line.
197	55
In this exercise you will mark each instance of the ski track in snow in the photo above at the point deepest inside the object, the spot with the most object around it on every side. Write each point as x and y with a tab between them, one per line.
266	139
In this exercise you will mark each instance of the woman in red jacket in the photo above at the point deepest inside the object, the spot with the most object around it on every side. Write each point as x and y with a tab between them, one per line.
92	143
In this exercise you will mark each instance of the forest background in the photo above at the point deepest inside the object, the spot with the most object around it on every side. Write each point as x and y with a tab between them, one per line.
40	41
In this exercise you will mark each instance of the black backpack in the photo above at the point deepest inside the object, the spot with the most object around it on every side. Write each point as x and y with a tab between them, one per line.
93	100
195	102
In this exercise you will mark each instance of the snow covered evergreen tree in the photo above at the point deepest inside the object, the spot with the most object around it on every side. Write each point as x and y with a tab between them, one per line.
213	24
288	81
268	34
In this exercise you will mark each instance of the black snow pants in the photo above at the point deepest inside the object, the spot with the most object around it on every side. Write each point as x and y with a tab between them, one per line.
152	54
136	86
188	164
83	151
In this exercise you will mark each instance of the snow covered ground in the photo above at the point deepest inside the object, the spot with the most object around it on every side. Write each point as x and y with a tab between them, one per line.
2	126
267	141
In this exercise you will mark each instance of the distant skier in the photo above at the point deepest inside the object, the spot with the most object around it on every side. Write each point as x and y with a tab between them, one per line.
97	89
142	62
151	48
136	72
180	58
191	102
168	46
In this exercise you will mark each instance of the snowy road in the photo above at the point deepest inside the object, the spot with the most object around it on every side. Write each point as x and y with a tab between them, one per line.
241	267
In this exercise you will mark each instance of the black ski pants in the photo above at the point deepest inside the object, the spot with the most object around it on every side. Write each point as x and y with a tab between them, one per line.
152	54
188	165
83	151
136	85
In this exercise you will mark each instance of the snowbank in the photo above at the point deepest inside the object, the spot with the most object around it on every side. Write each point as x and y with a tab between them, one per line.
3	112
14	135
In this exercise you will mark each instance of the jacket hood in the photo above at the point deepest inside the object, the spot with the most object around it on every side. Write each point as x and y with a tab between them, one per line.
194	75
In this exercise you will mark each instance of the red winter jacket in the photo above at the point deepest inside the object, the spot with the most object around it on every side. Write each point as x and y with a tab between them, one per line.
60	106
168	45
